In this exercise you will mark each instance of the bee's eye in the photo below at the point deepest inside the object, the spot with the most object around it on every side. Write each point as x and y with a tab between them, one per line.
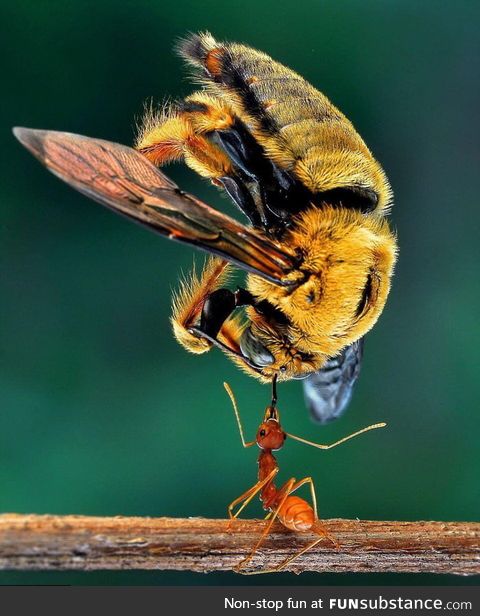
254	350
368	293
262	433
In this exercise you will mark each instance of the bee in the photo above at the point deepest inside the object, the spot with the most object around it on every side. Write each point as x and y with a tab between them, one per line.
318	250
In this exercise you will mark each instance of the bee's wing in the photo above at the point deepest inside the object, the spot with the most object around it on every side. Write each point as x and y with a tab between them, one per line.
122	179
328	391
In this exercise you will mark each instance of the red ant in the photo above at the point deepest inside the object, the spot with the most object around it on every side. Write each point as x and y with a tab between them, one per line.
293	512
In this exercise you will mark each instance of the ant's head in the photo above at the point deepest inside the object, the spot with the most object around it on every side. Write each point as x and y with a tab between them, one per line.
270	434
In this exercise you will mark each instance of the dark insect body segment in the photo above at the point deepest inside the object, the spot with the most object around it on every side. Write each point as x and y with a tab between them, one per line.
280	194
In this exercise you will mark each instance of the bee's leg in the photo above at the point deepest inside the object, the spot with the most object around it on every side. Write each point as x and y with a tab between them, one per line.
163	136
232	80
253	174
181	132
202	311
212	116
171	136
230	333
279	191
245	152
188	304
208	115
218	307
238	191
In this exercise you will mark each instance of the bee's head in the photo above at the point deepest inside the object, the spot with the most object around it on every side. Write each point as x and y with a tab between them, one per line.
348	261
349	258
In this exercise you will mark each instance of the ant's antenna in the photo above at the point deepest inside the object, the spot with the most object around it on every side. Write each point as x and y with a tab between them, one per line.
229	391
342	440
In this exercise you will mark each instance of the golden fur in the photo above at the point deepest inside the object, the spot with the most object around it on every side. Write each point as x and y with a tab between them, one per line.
343	249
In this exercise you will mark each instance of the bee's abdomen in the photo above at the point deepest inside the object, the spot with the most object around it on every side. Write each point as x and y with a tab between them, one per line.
273	93
299	129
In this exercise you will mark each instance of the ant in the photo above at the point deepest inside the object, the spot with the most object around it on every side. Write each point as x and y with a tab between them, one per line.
293	512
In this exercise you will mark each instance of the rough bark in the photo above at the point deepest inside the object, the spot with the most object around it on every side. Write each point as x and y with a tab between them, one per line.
47	542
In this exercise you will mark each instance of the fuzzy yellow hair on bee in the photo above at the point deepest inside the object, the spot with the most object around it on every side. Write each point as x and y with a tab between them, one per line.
298	128
318	251
254	104
188	299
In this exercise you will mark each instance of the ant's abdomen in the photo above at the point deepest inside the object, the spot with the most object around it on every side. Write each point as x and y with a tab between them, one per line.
296	514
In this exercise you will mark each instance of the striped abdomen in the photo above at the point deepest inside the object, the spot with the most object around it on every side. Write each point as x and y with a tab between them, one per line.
299	129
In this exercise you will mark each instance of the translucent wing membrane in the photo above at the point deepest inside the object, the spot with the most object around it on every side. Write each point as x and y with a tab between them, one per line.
125	181
328	391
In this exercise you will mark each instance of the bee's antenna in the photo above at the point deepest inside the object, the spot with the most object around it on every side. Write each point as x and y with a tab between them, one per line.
274	390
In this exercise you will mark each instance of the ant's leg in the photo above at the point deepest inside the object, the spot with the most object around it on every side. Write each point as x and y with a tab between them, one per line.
249	494
317	528
286	561
306	549
320	531
287	488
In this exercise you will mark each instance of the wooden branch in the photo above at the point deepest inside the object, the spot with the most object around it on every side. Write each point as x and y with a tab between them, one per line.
84	543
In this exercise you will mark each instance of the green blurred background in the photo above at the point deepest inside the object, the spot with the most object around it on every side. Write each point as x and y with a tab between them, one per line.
101	412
